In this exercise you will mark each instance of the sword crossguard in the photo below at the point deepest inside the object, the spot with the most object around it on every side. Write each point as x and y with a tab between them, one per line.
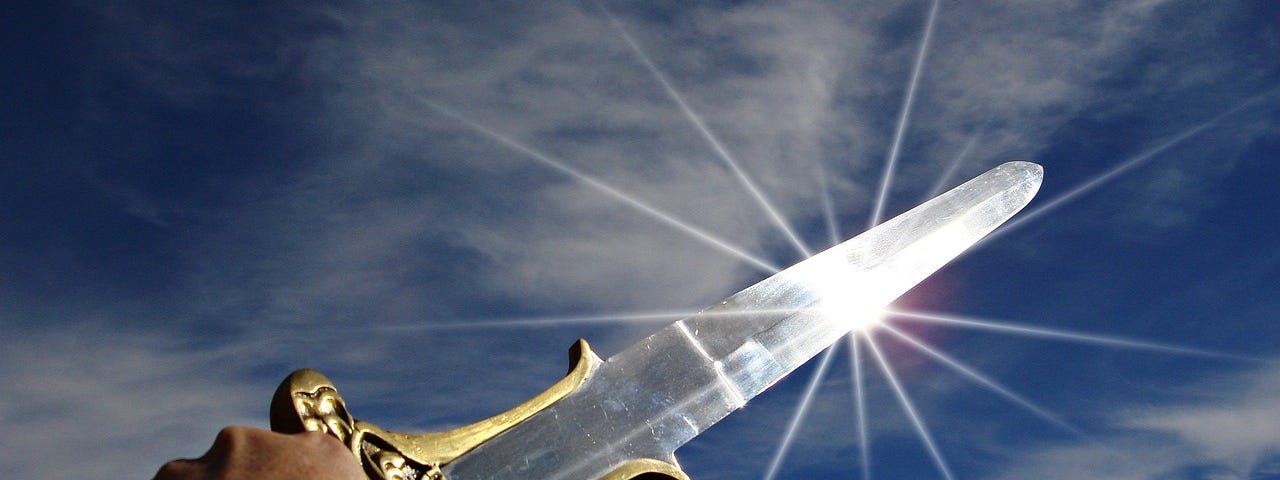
308	401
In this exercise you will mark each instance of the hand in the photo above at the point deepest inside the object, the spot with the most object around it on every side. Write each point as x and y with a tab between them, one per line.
243	453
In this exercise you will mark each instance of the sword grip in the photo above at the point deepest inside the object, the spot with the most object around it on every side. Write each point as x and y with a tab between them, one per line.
308	401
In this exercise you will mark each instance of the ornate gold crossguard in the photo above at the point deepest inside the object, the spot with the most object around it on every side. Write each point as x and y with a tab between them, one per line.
308	401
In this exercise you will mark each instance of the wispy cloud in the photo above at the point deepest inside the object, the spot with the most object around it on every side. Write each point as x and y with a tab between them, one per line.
395	214
1236	422
1227	422
93	401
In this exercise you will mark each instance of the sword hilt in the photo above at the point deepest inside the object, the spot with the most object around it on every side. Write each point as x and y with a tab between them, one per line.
307	401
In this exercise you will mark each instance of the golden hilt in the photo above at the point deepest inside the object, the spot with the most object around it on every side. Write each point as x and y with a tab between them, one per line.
308	401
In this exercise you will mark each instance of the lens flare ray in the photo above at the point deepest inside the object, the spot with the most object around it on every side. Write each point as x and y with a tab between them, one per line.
705	131
860	407
1124	167
1058	334
904	118
602	187
802	410
549	321
984	381
907	407
828	210
563	320
953	167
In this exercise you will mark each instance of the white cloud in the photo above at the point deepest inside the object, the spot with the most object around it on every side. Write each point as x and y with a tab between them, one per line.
1239	421
411	217
782	86
1232	422
93	402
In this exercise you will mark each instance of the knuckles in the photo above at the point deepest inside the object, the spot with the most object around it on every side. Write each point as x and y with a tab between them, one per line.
175	470
243	452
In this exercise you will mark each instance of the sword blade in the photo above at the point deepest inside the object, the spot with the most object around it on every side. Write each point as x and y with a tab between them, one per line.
666	389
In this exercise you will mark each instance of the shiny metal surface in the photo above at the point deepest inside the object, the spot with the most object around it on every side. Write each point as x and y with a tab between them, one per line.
308	401
661	392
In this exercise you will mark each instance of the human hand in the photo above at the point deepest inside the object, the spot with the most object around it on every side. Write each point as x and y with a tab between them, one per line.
243	453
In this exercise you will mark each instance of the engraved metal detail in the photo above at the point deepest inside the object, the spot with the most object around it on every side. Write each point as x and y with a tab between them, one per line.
308	401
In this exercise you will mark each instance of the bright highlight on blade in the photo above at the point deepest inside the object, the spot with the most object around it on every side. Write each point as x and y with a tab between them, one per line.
602	187
838	301
843	291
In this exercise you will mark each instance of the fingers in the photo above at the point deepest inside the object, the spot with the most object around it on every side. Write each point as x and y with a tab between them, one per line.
251	453
213	461
179	470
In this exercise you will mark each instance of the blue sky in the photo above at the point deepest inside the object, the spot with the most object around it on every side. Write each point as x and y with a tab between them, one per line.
199	199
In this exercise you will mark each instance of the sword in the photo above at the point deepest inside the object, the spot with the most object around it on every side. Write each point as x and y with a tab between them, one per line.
624	417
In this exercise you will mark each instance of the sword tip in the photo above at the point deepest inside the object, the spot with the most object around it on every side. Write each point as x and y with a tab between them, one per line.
1032	174
1034	171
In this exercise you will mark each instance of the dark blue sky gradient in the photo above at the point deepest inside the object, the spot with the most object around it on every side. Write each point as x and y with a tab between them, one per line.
198	199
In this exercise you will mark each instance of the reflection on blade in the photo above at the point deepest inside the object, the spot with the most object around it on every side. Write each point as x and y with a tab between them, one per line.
661	392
